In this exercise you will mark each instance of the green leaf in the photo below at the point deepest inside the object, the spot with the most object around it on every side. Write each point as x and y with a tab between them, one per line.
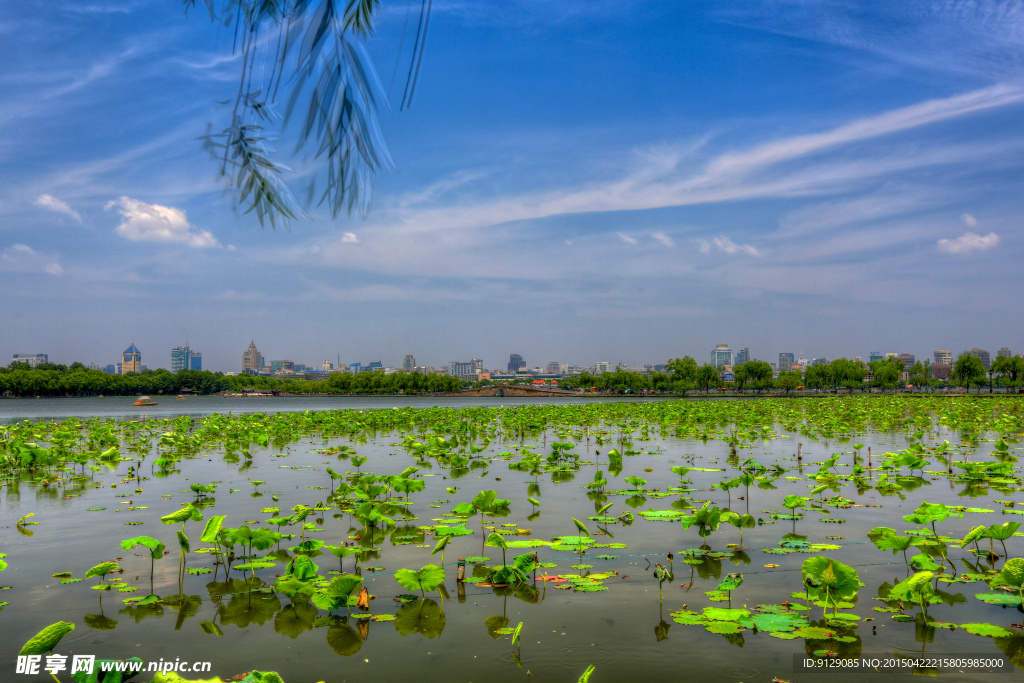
988	630
830	577
581	526
102	569
585	678
723	614
496	540
731	582
440	545
1012	574
155	547
426	578
47	639
212	529
183	541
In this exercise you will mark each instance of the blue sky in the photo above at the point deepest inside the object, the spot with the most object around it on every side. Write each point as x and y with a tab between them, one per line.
575	181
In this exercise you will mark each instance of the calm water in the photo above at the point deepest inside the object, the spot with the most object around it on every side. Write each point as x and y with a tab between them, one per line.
121	408
623	630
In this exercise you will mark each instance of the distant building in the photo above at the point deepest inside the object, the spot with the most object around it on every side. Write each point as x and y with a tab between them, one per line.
942	357
252	359
875	355
113	369
941	370
327	366
908	360
553	368
742	356
277	366
516	363
1005	352
131	360
983	356
819	361
722	355
353	368
409	364
300	368
374	365
478	365
466	371
184	358
785	361
602	366
33	359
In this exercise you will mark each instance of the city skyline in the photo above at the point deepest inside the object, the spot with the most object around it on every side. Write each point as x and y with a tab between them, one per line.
574	180
252	358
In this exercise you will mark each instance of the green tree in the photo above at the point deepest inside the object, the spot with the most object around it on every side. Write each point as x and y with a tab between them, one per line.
968	370
1009	368
740	376
760	374
788	380
707	377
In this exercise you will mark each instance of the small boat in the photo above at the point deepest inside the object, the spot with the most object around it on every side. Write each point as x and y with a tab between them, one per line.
180	397
144	401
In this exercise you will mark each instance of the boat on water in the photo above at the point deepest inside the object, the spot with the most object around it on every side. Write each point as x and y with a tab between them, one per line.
180	397
144	401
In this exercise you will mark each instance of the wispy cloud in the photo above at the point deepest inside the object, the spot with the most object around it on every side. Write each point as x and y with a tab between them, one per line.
626	238
51	203
663	238
968	242
969	220
144	222
724	245
350	238
22	258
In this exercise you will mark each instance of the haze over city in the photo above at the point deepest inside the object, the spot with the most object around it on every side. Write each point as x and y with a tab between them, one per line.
575	181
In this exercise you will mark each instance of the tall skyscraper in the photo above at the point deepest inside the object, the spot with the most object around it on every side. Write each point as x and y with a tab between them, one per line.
184	358
553	368
1005	352
478	365
252	359
409	364
131	360
942	357
722	355
516	363
742	356
983	355
785	361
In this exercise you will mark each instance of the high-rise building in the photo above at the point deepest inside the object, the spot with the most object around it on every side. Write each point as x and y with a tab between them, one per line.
786	361
742	356
327	366
875	355
908	360
33	359
1005	352
184	358
602	366
983	355
722	355
131	360
516	363
478	365
374	365
942	357
252	359
553	368
409	364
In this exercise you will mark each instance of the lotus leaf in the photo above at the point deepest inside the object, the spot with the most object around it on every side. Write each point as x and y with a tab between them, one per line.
420	616
47	639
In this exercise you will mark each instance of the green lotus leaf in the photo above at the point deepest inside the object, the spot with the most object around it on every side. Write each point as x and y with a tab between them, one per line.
420	616
47	639
988	630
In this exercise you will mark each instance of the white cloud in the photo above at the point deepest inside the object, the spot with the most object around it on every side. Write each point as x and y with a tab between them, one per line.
969	220
155	223
51	203
350	238
725	246
663	238
22	258
969	242
626	238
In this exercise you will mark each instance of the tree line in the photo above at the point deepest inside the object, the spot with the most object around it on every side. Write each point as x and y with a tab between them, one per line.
50	379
